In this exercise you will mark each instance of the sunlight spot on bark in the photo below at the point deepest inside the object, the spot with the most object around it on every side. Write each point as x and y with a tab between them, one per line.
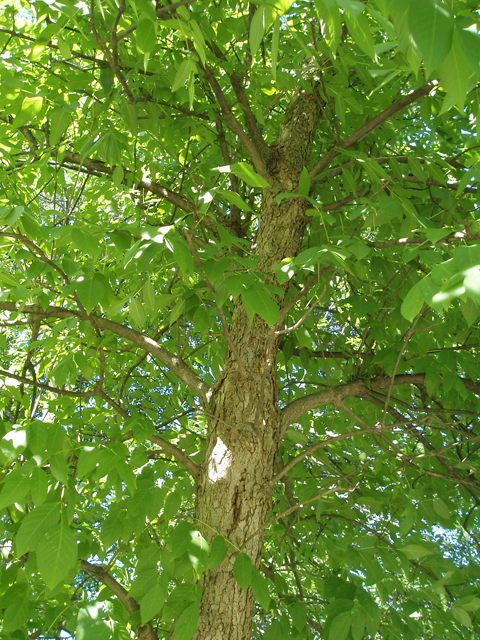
220	461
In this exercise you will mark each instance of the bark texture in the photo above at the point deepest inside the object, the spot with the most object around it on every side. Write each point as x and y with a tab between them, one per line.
244	435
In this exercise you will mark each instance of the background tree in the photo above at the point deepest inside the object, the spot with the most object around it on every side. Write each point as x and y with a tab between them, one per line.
240	291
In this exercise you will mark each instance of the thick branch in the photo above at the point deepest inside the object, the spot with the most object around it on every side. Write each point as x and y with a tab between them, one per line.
307	452
47	387
131	605
180	456
144	184
250	119
175	364
370	126
250	147
358	389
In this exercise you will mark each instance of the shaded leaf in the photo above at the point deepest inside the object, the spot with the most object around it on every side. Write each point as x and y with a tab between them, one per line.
242	570
431	24
57	554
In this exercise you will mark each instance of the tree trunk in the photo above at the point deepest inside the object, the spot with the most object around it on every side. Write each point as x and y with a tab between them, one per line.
244	429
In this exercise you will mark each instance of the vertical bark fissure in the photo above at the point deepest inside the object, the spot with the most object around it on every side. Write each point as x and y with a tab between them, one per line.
244	434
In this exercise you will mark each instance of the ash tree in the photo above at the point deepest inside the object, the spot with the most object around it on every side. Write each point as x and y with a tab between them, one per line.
240	299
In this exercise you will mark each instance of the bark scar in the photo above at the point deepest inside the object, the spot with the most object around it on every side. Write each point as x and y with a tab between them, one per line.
236	504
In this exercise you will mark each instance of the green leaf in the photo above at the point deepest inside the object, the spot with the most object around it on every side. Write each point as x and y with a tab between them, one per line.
91	625
199	41
462	616
186	67
152	603
441	508
354	8
455	75
218	552
180	539
90	291
245	172
260	589
180	599
467	257
59	467
261	21
35	525
340	626
59	123
64	48
242	570
235	199
84	365
172	505
469	603
434	235
261	303
412	303
117	175
181	251
138	312
415	551
367	603
275	43
198	551
329	16
16	614
187	623
57	554
304	182
12	216
360	31
39	486
274	632
16	486
469	43
472	285
129	114
431	24
141	427
144	581
106	80
31	107
469	309
145	36
298	614
357	624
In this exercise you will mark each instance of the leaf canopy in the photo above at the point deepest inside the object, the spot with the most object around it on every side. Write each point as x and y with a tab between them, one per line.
140	153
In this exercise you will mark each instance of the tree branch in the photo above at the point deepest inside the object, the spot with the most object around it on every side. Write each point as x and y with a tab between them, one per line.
358	389
145	632
250	120
370	126
47	387
181	457
175	364
251	149
315	447
457	236
145	184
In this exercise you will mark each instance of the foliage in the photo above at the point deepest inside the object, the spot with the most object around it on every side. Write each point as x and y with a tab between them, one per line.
134	173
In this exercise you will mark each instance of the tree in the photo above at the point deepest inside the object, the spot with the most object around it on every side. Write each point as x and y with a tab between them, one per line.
240	291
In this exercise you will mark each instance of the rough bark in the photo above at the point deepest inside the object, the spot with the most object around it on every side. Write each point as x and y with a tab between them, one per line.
244	435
